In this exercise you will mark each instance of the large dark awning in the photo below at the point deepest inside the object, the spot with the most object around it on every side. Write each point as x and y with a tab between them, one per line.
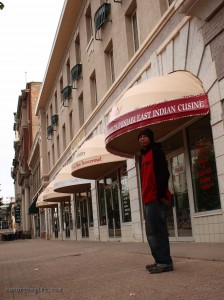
33	209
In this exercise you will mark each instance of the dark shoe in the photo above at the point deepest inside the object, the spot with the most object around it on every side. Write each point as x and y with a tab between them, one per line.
151	266
158	270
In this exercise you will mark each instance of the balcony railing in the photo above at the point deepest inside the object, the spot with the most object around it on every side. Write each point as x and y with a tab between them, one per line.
49	132
16	144
54	120
14	162
65	94
76	71
101	16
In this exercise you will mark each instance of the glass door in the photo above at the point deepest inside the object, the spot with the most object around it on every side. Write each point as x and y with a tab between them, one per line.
84	218
113	211
55	219
67	219
178	216
179	220
84	212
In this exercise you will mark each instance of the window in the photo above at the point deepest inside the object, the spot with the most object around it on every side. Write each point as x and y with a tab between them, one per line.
53	155
64	136
203	166
68	72
89	27
170	2
135	31
51	111
90	209
132	34
109	64
61	88
93	90
125	199
49	161
77	50
71	125
55	103
81	110
36	178
58	147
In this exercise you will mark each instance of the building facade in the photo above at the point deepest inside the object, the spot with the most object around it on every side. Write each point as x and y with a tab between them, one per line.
105	49
26	183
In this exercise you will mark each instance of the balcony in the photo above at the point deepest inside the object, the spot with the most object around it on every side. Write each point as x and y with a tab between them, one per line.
54	120
101	16
76	71
14	162
49	132
16	145
65	94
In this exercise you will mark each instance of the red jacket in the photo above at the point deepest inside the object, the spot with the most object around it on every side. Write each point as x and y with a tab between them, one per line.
154	174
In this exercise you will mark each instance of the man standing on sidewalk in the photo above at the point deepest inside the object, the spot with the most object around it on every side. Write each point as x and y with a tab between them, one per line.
155	196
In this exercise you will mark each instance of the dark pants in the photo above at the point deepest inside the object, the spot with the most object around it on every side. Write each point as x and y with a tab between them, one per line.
157	233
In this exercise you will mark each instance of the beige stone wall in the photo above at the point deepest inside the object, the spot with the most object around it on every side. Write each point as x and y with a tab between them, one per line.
93	60
34	94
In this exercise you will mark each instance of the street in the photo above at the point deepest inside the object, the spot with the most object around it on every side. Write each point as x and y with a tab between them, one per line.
41	269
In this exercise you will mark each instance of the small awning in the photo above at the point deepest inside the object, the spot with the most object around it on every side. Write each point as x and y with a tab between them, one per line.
33	209
49	195
44	204
66	183
93	161
163	103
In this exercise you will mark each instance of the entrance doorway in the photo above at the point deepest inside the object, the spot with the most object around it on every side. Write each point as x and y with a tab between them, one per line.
84	217
178	217
55	219
84	212
67	218
113	211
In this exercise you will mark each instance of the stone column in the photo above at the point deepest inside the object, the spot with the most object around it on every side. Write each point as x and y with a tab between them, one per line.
60	212
47	224
74	232
95	211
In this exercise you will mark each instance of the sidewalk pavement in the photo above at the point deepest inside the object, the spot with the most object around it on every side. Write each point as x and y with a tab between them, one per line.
41	269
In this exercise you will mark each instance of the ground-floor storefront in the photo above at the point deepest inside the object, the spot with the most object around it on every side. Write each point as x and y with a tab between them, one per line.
111	210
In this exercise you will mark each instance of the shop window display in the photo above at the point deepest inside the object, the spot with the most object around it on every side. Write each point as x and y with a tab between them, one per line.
203	166
125	199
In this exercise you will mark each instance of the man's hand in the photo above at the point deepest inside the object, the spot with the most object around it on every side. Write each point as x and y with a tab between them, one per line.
164	201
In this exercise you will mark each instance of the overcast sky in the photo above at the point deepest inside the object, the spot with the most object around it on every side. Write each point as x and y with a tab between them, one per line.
27	31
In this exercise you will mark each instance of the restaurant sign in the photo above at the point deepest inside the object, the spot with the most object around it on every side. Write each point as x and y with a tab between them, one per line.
159	112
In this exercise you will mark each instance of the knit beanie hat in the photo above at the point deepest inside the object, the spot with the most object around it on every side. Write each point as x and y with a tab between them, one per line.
147	132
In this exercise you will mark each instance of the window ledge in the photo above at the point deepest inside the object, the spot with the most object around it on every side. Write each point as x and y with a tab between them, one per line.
208	213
